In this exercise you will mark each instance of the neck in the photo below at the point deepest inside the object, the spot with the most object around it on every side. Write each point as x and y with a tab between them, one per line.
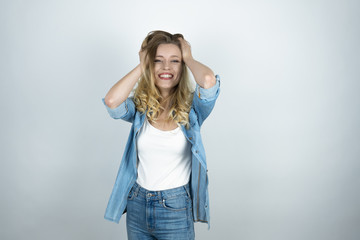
165	102
165	93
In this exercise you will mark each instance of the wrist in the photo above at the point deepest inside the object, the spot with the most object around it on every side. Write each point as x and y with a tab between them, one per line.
188	59
140	67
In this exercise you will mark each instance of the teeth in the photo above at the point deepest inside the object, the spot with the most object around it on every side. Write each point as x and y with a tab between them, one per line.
166	75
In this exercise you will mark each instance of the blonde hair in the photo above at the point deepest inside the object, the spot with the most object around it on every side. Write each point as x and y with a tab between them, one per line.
147	96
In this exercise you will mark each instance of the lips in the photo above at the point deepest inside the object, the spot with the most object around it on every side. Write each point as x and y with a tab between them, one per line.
166	76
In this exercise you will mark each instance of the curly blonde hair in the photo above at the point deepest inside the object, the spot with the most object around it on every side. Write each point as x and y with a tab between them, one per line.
147	96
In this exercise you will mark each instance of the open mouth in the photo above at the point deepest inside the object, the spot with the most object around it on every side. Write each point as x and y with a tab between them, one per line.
165	76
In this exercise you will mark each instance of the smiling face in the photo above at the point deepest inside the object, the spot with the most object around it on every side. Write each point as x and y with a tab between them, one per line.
167	67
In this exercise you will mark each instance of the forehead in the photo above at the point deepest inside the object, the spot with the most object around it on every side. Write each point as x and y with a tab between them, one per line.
168	49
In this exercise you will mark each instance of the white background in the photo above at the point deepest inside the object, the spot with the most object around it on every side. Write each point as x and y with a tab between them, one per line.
282	142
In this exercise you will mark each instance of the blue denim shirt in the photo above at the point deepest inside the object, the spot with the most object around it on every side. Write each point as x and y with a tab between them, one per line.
202	104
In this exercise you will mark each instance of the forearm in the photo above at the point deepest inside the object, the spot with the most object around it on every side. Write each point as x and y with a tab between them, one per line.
203	75
122	89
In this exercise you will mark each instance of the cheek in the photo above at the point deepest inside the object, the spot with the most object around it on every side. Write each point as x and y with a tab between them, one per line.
156	68
178	70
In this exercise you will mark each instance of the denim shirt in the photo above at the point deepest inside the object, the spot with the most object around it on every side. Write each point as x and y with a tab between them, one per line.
202	104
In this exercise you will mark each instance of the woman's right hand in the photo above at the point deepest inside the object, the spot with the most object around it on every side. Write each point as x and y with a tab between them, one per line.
121	90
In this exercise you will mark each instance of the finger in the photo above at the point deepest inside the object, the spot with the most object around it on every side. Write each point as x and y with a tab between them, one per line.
183	41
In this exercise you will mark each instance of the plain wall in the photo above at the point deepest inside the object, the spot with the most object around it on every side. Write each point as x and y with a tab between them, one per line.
282	143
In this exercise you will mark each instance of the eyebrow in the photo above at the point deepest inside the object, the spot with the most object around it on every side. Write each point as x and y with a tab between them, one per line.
170	56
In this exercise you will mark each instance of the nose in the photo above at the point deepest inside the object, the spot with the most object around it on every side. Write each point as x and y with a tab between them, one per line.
166	65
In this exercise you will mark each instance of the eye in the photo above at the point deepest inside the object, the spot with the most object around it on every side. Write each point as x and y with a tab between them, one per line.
157	60
175	61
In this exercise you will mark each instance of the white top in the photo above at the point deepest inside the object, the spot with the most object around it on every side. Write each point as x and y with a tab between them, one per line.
164	158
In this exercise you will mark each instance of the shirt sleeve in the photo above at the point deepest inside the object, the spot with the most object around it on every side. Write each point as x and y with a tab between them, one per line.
204	100
210	93
125	110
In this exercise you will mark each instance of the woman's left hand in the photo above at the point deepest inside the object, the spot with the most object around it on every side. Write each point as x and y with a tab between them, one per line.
185	49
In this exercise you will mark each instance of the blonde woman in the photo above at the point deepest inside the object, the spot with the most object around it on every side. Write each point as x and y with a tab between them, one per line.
162	181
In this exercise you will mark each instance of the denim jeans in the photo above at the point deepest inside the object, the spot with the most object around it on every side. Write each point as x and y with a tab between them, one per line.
159	214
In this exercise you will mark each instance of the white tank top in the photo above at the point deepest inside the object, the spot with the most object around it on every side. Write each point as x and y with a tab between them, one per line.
164	158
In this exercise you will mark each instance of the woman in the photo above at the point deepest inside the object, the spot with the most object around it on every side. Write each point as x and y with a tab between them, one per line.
162	180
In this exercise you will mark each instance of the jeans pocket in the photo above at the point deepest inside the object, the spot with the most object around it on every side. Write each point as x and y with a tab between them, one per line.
176	203
131	194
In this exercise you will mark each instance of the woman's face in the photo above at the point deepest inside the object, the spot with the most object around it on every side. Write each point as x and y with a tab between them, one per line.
167	67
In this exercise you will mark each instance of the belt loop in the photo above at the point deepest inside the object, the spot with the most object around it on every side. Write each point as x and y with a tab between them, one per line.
137	189
186	187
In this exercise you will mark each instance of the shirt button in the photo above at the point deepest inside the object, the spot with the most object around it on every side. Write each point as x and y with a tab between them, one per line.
190	138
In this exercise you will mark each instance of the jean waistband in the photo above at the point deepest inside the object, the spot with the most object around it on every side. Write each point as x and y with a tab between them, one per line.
138	190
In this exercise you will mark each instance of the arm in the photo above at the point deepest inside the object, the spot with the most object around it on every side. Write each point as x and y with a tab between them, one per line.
208	87
204	100
203	75
121	90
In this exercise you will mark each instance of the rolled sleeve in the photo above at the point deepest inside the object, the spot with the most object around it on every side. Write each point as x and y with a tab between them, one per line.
117	112
209	93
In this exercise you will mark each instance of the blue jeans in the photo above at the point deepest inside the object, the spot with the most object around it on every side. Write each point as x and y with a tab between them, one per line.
159	214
